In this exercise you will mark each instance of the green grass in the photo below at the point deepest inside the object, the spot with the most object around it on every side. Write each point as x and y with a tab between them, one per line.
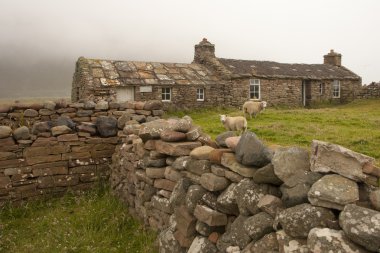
93	222
355	125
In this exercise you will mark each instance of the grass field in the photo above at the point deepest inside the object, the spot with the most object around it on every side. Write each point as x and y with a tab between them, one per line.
355	125
94	222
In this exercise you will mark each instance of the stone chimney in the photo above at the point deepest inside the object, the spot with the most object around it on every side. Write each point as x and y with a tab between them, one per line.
204	50
333	58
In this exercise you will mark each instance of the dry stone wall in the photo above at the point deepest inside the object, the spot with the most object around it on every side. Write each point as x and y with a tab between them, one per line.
371	90
237	195
49	147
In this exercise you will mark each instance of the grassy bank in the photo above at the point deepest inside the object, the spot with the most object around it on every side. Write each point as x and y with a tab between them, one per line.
355	125
92	222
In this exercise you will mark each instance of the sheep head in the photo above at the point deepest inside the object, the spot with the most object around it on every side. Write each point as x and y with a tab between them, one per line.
263	104
223	118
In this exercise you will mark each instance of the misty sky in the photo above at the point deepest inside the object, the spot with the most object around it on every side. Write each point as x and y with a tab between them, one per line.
40	40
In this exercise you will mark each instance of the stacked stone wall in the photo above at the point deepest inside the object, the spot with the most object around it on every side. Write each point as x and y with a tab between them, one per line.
49	147
237	195
371	90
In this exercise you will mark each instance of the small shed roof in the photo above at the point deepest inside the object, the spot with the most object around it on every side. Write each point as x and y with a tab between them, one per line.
128	73
270	69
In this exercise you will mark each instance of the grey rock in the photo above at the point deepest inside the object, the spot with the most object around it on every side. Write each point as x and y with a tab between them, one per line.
259	225
179	191
84	113
212	182
330	240
193	197
361	225
140	118
181	163
5	131
89	105
172	136
101	105
167	242
296	195
40	127
153	129
221	138
21	133
58	130
267	244
64	121
198	167
201	153
289	244
235	235
290	162
265	175
297	221
210	216
226	201
30	113
375	199
251	151
122	120
333	191
248	195
270	204
87	127
106	126
50	105
153	105
202	245
182	125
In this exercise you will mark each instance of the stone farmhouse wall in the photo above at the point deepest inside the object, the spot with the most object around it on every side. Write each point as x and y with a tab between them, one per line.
371	90
49	147
238	195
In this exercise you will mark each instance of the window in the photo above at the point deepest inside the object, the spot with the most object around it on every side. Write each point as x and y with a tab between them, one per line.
166	94
321	88
254	88
200	94
336	89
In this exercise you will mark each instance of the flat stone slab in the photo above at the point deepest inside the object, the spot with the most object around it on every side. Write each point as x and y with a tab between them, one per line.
176	148
229	161
210	216
333	191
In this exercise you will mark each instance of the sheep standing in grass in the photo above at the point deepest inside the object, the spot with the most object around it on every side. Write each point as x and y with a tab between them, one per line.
237	123
254	107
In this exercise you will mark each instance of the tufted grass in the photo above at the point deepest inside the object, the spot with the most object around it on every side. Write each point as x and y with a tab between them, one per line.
92	222
355	125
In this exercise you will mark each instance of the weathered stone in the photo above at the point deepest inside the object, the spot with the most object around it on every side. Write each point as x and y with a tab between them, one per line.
184	241
182	125
215	156
172	174
45	112
21	133
361	225
209	199
5	131
296	195
185	221
233	177
64	121
329	240
68	137
179	192
193	196
333	191
229	161
50	105
205	230
232	142
258	225
161	204
251	151
201	153
89	105
218	170
30	160
5	182
194	133
172	136
297	221
59	130
139	118
155	172
266	244
87	128
84	113
139	105
235	235
4	108
7	156
153	129
143	112
329	157
181	163
198	167
176	148
226	201
270	204
101	105
374	197
266	175
221	138
30	113
168	243
212	182
40	127
106	126
248	195
290	162
153	105
164	184
289	244
122	120
202	245
210	216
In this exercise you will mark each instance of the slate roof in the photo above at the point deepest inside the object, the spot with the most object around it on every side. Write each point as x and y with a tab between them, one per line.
125	73
271	69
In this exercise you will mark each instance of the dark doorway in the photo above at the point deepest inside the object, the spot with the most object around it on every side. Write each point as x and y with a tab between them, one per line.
306	92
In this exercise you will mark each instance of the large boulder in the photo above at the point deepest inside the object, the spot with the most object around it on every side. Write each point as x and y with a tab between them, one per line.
251	151
333	191
107	126
290	162
330	240
361	225
297	221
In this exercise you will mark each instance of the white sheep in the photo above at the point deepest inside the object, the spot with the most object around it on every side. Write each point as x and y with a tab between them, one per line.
253	107
237	123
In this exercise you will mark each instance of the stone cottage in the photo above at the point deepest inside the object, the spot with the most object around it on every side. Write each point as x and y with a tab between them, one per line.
213	81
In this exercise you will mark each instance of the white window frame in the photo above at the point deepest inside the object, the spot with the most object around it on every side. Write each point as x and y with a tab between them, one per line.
200	94
255	83
166	94
321	88
336	89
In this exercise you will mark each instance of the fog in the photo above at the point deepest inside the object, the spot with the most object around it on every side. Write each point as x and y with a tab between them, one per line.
41	40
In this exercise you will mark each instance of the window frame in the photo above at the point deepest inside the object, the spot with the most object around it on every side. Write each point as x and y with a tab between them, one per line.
200	95
165	93
321	89
256	84
336	93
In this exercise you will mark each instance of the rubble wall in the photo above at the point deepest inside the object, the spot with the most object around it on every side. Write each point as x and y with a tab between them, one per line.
237	195
49	147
